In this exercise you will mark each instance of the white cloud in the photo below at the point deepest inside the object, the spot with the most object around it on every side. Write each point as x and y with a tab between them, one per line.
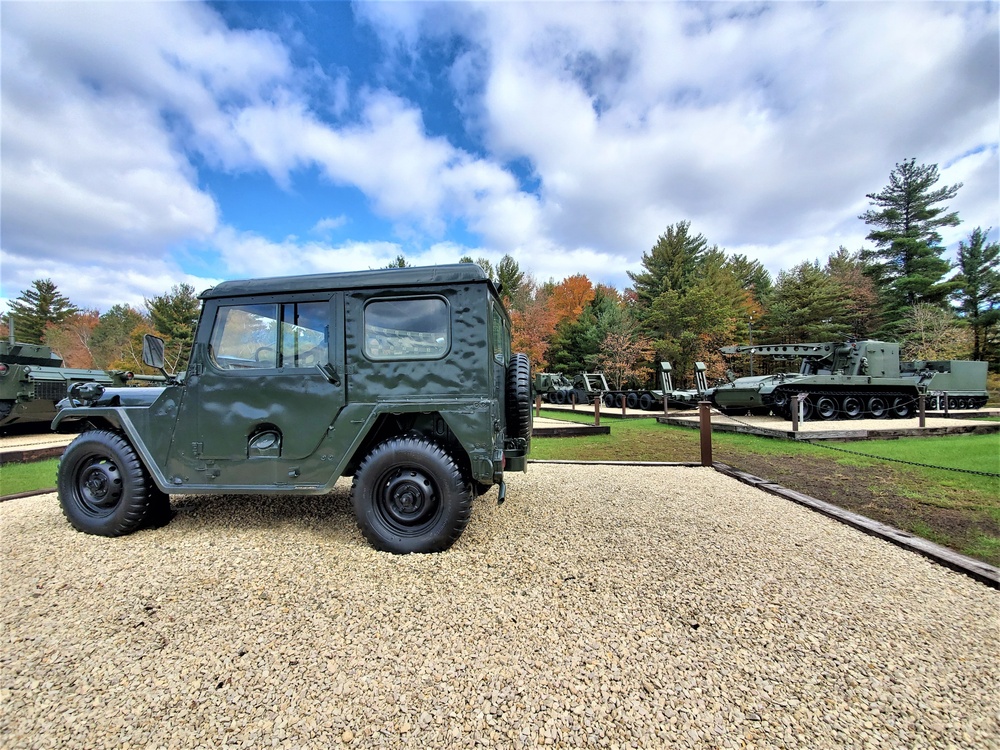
763	125
329	223
91	283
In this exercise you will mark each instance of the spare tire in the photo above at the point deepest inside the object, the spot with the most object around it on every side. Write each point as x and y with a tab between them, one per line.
518	397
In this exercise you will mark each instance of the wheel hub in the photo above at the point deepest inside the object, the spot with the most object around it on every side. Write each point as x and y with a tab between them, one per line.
409	498
101	486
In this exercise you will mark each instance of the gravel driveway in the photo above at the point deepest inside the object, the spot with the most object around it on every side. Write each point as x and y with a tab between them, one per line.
598	607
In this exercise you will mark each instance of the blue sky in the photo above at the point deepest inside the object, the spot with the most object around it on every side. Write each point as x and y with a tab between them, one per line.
148	144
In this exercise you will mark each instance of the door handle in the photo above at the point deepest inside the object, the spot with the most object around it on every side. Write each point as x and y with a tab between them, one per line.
329	372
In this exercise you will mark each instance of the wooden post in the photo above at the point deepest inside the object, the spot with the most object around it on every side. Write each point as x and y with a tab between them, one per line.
572	400
538	405
598	398
797	400
666	407
624	400
944	398
705	421
922	410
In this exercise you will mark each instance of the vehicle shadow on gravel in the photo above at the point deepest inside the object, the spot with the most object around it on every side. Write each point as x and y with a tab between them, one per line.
331	513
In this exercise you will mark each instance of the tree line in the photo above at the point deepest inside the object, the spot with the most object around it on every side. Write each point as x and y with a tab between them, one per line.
689	299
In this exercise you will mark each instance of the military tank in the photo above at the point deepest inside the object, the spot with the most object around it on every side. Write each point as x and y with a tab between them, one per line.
850	380
33	381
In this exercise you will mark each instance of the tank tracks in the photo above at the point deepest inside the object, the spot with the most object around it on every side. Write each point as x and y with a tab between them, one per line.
854	404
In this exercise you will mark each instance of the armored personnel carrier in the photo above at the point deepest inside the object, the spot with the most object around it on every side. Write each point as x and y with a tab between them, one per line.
33	380
849	380
402	378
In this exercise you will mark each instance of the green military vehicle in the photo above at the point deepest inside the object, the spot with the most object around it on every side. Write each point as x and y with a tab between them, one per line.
402	378
556	388
33	380
851	379
652	400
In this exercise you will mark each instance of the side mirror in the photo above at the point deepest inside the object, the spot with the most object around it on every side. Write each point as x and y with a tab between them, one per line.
152	351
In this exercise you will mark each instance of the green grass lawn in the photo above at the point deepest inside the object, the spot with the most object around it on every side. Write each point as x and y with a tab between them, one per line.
18	478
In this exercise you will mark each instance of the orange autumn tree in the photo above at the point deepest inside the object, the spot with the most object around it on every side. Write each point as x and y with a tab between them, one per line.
570	297
71	338
531	329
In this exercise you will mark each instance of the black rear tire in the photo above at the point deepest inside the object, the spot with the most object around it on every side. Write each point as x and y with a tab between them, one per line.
518	397
409	496
103	487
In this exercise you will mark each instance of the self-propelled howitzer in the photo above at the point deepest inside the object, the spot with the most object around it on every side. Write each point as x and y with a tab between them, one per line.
851	379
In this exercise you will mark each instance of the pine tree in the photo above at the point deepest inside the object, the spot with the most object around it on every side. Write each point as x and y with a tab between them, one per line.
174	316
670	265
978	293
38	306
908	255
807	306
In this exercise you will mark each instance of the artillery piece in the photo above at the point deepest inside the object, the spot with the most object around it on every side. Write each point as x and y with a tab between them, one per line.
556	388
652	400
849	380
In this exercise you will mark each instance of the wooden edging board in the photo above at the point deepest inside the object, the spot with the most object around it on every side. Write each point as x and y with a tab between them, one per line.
573	430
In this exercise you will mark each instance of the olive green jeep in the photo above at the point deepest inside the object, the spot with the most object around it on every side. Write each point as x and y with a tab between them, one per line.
402	378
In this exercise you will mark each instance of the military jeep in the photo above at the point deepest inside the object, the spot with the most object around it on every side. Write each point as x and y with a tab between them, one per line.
402	378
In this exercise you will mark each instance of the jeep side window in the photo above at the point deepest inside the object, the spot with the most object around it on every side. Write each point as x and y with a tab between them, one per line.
501	349
407	329
304	334
247	336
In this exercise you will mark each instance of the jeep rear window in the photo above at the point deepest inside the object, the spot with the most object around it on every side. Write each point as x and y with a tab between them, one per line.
406	329
247	336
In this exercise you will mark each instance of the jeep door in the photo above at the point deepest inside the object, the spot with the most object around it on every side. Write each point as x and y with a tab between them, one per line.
264	387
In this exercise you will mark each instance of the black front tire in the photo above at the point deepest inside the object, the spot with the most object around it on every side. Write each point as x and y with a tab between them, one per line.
103	487
409	495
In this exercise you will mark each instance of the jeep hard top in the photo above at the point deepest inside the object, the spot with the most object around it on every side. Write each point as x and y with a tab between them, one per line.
402	378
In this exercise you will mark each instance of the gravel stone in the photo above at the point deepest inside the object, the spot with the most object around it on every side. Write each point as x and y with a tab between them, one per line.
606	607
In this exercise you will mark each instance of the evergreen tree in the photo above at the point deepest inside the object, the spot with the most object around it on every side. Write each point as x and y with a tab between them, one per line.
112	337
908	260
671	264
692	324
399	262
807	307
862	308
512	283
174	316
38	306
752	276
978	293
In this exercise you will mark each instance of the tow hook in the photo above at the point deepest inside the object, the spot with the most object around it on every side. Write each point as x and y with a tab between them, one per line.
502	493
